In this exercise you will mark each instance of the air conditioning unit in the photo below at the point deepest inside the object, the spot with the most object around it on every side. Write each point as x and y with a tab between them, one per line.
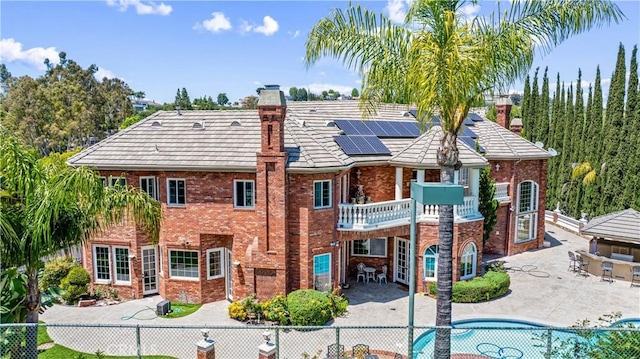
163	308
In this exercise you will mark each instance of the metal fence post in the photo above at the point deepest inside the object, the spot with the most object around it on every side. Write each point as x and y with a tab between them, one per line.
549	334
337	341
138	341
277	343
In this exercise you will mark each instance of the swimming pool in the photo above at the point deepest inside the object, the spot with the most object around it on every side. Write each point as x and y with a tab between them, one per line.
487	337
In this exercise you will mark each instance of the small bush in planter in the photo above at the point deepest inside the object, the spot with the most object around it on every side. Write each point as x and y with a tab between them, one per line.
490	286
236	311
308	307
55	270
74	284
276	310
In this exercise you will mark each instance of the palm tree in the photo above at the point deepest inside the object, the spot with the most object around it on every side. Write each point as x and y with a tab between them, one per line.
46	206
442	62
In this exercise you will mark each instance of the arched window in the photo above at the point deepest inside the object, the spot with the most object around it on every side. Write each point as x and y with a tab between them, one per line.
431	263
468	261
527	212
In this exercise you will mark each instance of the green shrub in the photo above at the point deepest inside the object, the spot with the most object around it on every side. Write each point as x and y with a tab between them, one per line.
276	309
251	305
338	302
75	284
55	271
490	286
308	307
236	311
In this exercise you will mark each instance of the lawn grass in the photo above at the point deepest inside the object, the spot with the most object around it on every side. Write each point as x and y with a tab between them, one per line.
60	352
43	336
182	310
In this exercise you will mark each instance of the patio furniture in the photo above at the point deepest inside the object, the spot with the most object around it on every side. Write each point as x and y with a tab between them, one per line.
583	265
383	276
371	273
397	356
607	271
361	272
635	274
333	351
572	261
360	350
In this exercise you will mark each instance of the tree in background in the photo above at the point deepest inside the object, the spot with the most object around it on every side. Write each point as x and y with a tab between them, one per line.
50	206
444	63
355	93
487	204
258	90
302	94
222	99
526	109
65	107
293	93
204	103
249	103
594	150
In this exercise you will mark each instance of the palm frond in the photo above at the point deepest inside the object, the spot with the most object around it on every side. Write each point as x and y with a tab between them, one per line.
580	170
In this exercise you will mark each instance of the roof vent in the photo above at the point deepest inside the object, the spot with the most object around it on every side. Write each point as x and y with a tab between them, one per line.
301	123
329	124
178	111
313	110
235	123
406	114
156	124
539	144
198	125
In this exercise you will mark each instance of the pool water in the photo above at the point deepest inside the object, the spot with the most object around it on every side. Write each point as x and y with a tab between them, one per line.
522	339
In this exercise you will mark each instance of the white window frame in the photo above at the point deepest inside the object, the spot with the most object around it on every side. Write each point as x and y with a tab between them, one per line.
464	179
154	181
95	265
329	272
182	277
531	212
244	189
114	179
105	182
322	205
115	265
473	260
169	203
368	245
220	252
160	260
435	257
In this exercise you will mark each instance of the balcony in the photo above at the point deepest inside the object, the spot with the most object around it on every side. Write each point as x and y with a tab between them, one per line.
370	216
502	192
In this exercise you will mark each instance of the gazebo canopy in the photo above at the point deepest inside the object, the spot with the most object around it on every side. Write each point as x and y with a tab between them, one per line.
622	226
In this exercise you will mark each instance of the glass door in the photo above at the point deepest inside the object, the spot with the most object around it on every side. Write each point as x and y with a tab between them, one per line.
229	274
401	271
149	270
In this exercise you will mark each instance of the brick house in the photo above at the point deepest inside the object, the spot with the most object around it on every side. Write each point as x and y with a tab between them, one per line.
295	195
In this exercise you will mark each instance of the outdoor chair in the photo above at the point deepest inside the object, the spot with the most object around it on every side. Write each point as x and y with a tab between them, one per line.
361	273
360	350
397	356
607	271
583	265
333	352
572	261
635	274
383	276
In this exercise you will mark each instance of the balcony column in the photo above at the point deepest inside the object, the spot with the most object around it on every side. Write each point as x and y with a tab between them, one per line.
420	176
475	186
398	183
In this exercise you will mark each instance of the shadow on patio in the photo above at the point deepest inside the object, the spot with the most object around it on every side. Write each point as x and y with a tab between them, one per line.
363	292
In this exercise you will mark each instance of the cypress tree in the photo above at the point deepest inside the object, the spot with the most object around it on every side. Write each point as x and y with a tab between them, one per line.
553	143
577	143
593	150
632	135
542	125
526	100
612	186
534	109
561	182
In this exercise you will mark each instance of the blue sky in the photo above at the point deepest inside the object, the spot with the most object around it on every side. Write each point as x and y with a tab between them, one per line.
233	46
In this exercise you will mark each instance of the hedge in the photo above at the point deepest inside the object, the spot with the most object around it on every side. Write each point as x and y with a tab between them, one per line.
487	287
308	307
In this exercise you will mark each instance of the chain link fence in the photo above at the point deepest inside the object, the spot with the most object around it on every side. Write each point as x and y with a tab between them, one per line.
379	342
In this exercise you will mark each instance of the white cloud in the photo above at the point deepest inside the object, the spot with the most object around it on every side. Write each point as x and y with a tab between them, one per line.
218	22
322	74
256	82
102	73
148	8
245	27
469	11
294	34
397	10
317	88
11	51
269	26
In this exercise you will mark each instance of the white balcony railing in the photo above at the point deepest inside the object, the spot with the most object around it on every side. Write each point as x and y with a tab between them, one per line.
502	192
395	213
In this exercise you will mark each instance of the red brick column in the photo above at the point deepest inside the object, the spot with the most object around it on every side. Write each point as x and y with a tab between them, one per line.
266	351
206	349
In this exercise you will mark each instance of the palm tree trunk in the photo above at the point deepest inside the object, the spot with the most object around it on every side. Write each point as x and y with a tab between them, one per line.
33	306
445	273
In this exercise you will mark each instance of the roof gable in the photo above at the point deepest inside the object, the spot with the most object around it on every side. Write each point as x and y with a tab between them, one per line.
618	225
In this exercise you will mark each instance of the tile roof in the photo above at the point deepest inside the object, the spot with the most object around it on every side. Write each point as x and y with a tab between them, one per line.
168	141
622	225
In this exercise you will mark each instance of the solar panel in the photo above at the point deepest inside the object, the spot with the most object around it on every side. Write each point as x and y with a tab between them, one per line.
471	143
380	128
346	127
466	132
475	117
361	145
468	122
412	128
362	127
377	130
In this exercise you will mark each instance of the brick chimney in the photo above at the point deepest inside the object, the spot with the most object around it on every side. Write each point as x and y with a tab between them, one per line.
272	109
266	267
516	126
503	109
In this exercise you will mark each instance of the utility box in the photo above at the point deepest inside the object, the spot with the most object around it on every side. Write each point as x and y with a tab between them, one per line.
163	308
436	193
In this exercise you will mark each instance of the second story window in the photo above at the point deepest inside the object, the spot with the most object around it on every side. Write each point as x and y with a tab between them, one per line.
322	194
244	194
148	185
117	181
176	192
463	179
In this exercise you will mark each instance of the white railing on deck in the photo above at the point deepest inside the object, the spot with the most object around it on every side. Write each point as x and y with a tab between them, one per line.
502	192
468	209
370	215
